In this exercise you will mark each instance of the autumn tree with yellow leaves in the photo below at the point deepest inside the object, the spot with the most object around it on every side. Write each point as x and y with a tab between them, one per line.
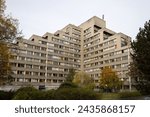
8	33
4	63
109	80
83	80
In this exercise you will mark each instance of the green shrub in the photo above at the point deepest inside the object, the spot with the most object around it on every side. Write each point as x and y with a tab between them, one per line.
30	93
49	95
68	85
26	93
6	95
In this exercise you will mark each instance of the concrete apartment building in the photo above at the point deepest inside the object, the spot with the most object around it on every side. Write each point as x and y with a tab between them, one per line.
46	60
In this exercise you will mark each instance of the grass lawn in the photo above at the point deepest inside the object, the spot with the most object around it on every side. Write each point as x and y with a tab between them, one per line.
110	96
119	96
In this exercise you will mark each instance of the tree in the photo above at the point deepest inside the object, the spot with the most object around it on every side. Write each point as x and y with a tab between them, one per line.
8	25
141	58
2	6
8	33
82	79
4	63
109	81
70	75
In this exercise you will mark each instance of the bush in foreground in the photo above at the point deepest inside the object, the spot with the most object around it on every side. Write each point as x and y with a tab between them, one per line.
6	95
30	93
26	93
68	85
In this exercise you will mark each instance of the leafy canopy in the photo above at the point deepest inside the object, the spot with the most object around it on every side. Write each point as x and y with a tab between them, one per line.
82	79
8	33
109	79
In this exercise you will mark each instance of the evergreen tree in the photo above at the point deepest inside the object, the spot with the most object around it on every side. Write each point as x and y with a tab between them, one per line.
141	59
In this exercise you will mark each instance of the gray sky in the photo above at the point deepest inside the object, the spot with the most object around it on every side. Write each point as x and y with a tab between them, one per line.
41	16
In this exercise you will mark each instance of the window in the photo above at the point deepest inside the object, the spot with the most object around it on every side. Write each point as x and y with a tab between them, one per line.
125	58
28	59
37	47
43	42
28	73
42	67
118	66
111	60
111	54
118	59
29	53
87	35
36	54
123	42
22	51
66	70
105	55
76	35
87	30
60	46
56	57
49	68
43	61
46	37
30	46
50	44
118	52
20	72
76	30
111	42
106	35
36	60
96	28
54	81
36	67
54	74
55	69
35	73
40	41
106	43
43	55
55	63
42	74
50	50
66	59
124	64
60	75
28	66
106	61
49	75
43	48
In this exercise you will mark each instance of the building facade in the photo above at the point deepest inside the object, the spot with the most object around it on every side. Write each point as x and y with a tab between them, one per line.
46	60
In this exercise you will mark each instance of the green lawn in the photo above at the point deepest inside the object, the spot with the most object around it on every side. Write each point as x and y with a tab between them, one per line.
119	96
110	96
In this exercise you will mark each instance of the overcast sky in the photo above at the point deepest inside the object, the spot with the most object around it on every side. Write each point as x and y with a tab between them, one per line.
41	16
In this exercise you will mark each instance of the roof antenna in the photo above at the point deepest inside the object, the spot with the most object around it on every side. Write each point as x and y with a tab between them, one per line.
103	16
